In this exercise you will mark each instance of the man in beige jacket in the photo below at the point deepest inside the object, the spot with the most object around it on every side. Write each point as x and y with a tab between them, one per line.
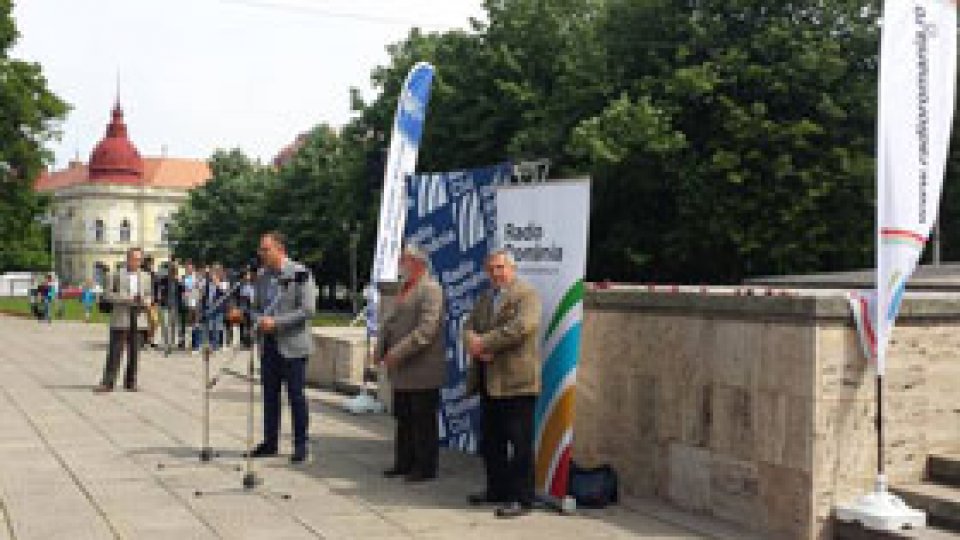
130	293
411	346
502	338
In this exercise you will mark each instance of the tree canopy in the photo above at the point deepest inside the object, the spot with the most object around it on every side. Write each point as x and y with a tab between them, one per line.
724	139
29	116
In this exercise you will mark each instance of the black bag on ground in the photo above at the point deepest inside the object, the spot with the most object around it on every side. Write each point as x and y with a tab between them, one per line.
593	488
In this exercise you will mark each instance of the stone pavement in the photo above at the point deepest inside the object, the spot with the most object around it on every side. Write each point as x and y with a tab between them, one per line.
76	465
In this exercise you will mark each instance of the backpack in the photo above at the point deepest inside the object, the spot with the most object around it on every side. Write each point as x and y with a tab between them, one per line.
593	488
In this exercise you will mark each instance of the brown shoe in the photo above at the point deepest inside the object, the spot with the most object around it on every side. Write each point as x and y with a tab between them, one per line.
102	389
133	388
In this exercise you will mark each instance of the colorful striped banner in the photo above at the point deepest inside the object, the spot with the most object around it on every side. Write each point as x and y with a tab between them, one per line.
555	409
902	237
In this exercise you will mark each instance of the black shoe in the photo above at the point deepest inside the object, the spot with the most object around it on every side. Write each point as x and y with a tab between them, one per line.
299	456
512	510
416	478
264	450
482	498
394	471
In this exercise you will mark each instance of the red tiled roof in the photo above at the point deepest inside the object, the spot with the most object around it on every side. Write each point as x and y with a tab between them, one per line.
173	173
176	172
75	173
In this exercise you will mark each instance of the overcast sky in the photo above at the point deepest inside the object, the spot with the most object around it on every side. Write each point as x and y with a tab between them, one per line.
196	75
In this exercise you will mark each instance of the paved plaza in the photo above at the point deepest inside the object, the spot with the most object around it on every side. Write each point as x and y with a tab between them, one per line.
76	465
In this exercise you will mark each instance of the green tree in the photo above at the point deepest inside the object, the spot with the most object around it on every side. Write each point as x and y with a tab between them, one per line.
29	115
741	142
220	220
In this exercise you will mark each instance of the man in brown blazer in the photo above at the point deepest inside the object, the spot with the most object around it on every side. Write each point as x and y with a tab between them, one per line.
502	338
130	294
411	346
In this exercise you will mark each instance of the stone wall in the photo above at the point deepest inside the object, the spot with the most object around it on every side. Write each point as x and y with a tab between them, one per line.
339	357
759	410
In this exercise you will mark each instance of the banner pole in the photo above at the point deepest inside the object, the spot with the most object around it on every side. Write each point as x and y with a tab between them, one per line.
881	476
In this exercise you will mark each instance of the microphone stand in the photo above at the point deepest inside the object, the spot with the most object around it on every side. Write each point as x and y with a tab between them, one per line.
206	450
250	478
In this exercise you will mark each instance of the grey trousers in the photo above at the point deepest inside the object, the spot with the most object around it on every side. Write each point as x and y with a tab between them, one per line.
120	341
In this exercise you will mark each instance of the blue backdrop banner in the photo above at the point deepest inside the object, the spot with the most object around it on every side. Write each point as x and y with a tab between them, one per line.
452	217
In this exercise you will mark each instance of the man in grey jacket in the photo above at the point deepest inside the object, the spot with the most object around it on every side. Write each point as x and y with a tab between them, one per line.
411	346
285	302
129	293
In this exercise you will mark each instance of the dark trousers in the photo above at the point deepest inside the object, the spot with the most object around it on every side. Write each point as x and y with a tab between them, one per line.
246	334
120	341
274	370
508	448
417	444
182	313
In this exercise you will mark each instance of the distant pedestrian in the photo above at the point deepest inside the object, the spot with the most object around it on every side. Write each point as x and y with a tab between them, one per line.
168	299
87	298
130	294
153	313
245	298
49	297
188	304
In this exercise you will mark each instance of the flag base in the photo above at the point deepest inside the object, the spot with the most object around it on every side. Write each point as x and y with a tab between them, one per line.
362	403
882	511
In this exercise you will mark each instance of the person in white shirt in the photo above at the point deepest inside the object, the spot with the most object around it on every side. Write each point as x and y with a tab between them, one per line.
129	294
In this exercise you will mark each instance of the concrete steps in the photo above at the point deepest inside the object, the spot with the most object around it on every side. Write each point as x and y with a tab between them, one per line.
855	531
941	503
939	497
944	469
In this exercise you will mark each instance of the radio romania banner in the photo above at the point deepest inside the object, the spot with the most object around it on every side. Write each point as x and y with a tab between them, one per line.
544	226
452	217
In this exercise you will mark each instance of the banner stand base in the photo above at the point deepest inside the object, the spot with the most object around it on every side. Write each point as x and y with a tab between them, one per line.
362	403
566	505
882	511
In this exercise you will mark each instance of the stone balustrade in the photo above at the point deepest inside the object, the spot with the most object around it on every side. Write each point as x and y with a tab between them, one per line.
760	410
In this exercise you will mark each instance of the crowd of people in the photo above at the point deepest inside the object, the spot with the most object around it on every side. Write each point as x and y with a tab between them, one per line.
180	307
277	304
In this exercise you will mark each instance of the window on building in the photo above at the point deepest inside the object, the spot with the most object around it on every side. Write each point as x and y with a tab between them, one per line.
98	230
125	230
164	231
100	270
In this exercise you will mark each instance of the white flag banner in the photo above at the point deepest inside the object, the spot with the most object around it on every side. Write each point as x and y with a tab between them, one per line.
918	70
401	161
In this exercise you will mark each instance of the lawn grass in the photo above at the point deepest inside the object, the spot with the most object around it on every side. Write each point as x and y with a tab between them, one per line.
73	311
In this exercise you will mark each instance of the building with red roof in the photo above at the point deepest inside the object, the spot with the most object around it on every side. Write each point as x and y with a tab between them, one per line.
116	201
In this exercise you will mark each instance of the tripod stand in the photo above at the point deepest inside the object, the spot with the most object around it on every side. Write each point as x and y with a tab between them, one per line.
250	480
207	453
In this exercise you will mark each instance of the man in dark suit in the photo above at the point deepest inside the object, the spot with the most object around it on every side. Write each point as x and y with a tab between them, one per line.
284	303
502	338
410	345
130	293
